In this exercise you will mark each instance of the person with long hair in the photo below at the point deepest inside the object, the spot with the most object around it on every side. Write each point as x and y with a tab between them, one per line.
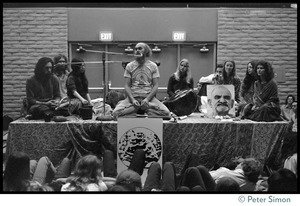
141	85
61	70
247	88
42	90
229	76
17	172
21	173
287	109
87	176
182	79
265	105
77	86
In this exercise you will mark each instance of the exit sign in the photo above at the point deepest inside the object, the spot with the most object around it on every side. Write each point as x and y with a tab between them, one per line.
106	36
179	36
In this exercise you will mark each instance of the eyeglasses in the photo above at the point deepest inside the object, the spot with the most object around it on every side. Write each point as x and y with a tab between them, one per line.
138	48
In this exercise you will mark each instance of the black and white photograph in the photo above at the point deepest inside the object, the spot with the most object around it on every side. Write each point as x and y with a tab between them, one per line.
151	98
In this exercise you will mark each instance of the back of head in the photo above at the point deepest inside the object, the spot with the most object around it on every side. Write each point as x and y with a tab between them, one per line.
252	169
119	188
130	180
35	186
227	184
282	180
89	167
17	171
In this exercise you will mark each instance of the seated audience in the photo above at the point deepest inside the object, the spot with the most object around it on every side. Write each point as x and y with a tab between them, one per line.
128	180
227	184
158	180
86	177
42	90
266	102
293	120
289	152
42	172
245	174
17	172
287	109
283	180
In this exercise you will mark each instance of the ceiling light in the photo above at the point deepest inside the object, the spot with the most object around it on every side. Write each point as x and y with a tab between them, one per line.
204	49
156	49
128	49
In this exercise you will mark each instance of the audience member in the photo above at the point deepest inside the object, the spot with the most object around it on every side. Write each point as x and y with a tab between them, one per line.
245	174
87	176
289	152
77	87
160	181
130	180
227	184
266	102
17	172
287	109
293	120
180	80
283	180
42	172
141	84
42	90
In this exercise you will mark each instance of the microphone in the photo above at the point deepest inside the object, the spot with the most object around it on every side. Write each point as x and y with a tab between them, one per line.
80	49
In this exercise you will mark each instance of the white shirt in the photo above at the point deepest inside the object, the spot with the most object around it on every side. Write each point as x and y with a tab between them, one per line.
237	175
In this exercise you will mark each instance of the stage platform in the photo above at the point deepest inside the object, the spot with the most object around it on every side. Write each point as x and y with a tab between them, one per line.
215	141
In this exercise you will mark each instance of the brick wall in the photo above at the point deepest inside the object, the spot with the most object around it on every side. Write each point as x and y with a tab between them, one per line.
262	34
29	34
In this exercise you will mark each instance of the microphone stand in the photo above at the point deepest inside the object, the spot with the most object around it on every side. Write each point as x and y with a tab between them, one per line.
103	117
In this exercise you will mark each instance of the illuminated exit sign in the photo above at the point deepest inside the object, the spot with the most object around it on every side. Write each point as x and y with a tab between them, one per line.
179	36
105	36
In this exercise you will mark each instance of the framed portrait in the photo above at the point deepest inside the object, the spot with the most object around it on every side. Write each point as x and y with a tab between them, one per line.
220	99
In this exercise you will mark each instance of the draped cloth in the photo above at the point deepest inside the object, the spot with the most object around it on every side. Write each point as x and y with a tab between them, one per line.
266	99
87	139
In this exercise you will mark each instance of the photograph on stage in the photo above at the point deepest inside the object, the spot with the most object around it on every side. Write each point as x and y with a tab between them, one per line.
220	101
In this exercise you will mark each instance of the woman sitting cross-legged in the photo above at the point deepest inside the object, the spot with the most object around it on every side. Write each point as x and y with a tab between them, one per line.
265	105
